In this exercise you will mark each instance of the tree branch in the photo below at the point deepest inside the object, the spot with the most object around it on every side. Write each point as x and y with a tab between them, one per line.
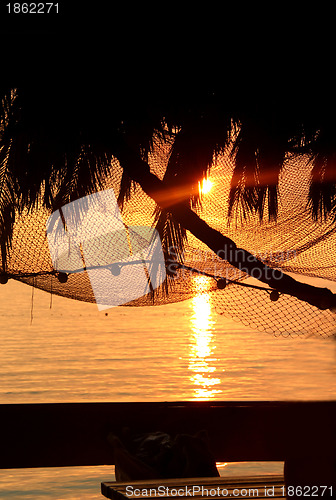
243	260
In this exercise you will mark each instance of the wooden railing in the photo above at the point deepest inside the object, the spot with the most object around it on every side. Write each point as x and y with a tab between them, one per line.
74	434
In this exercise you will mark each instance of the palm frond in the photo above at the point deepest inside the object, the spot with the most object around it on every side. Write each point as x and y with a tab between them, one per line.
173	238
8	203
62	139
259	153
125	191
322	189
201	137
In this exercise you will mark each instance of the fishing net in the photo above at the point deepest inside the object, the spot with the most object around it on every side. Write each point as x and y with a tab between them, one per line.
293	243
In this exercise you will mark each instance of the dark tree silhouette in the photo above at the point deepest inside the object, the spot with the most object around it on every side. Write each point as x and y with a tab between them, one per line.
64	136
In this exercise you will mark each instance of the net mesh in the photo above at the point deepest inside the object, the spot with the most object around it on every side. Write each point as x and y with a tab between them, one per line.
293	243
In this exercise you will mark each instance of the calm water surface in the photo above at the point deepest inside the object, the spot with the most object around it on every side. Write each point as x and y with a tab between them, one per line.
71	352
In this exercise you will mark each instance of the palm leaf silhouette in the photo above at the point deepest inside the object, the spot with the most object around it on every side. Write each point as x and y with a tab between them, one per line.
57	143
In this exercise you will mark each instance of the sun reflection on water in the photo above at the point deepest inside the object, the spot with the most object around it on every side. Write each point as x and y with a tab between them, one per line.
202	347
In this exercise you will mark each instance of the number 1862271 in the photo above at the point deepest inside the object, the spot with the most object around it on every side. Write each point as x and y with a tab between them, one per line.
32	8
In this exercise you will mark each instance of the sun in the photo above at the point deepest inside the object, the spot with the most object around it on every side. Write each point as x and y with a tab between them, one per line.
205	186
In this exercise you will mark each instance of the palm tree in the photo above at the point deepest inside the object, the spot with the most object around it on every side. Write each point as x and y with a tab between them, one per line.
59	140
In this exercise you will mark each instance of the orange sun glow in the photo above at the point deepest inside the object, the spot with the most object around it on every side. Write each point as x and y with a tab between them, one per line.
205	186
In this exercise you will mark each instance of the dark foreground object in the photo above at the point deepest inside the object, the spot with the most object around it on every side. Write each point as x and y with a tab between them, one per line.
303	434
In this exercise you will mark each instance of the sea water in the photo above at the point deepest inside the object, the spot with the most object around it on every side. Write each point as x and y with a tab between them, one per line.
58	350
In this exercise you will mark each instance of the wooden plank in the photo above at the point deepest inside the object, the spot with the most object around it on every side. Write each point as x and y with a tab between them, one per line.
237	487
56	435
